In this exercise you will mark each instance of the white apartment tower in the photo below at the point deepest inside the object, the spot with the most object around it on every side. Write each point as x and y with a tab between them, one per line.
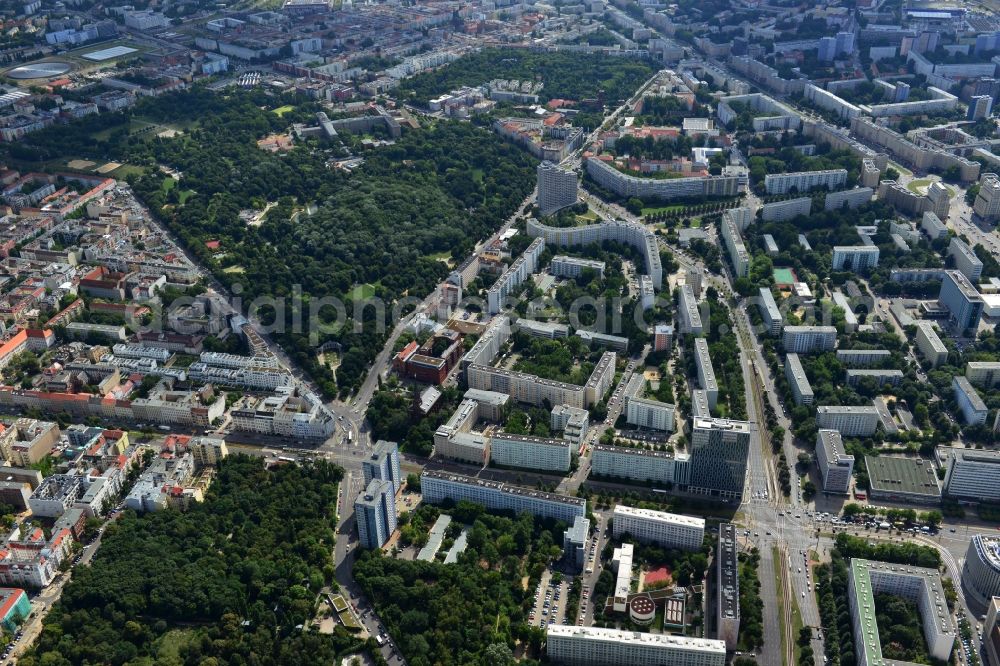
987	204
557	188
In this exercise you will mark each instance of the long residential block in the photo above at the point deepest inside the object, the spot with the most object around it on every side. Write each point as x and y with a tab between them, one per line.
804	181
628	233
658	467
593	646
769	312
916	584
527	452
849	421
727	572
801	389
706	373
627	185
929	344
669	530
808	339
438	486
862	358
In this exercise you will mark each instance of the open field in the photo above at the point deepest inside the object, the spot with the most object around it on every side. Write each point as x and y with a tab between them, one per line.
920	185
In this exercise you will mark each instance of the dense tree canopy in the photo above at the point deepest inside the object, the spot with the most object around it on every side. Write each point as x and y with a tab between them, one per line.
258	550
452	614
436	191
572	76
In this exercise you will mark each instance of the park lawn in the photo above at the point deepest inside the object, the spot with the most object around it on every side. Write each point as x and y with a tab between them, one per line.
362	292
169	646
589	216
915	185
282	110
125	170
900	168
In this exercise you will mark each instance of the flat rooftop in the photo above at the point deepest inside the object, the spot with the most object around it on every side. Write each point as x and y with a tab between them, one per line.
722	424
502	487
637	638
896	474
660	516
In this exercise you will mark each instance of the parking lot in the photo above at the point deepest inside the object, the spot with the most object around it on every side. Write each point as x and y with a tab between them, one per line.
550	602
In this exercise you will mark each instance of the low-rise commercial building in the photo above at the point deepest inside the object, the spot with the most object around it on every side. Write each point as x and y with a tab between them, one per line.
903	479
573	422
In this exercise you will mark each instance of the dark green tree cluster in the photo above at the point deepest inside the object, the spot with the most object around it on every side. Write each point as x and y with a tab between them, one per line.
834	611
789	160
563	75
394	416
897	553
234	575
751	606
435	190
899	629
451	615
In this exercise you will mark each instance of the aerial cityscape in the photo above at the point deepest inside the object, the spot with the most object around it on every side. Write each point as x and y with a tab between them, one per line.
483	333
